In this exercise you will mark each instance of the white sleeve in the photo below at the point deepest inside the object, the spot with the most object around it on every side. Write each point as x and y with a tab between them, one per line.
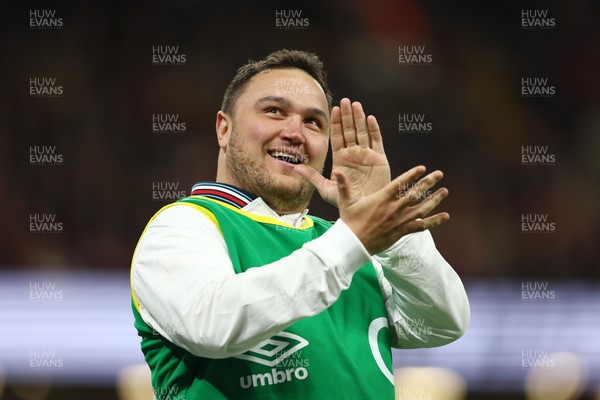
188	292
426	301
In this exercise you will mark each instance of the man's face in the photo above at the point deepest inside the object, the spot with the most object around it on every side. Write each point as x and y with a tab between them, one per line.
280	119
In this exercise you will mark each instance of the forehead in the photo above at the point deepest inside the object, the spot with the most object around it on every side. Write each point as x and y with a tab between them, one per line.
293	84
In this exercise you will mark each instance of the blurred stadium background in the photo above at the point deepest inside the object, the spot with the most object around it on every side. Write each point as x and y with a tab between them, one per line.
65	324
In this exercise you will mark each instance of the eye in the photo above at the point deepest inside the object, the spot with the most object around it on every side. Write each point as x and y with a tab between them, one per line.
313	121
273	110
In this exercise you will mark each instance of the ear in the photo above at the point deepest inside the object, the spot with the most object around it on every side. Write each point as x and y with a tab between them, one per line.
224	126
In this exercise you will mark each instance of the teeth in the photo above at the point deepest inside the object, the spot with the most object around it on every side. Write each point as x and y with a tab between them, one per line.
287	157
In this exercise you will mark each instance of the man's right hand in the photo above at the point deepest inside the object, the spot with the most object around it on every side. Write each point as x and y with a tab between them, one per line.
383	217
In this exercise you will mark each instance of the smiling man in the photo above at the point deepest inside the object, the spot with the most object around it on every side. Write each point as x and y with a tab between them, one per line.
238	293
268	131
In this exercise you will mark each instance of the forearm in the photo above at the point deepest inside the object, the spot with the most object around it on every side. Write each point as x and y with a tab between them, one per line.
212	312
426	301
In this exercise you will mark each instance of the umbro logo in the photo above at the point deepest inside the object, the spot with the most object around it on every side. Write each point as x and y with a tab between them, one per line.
279	351
272	351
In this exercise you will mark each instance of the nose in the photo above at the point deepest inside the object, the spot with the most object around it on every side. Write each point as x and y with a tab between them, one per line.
292	130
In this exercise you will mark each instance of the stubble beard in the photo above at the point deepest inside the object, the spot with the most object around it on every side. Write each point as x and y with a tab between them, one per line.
252	176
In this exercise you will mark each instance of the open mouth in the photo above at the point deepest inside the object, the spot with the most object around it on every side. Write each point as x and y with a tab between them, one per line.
291	158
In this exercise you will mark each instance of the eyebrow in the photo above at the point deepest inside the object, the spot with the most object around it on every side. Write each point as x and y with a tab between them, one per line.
286	102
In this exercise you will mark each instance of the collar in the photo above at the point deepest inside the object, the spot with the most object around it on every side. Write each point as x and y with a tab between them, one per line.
243	200
223	192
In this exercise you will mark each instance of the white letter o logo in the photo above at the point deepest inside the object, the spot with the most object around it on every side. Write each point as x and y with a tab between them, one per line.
374	328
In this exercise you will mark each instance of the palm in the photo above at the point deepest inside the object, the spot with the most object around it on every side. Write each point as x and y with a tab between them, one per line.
357	152
366	169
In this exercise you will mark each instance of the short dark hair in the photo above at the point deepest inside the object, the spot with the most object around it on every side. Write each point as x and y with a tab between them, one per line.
281	59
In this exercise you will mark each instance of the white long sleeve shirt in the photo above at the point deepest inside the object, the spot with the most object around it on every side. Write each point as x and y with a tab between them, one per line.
187	290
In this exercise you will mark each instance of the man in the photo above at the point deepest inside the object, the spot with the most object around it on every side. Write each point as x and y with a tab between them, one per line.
238	293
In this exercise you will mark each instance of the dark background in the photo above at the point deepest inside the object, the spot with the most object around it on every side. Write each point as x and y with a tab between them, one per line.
471	93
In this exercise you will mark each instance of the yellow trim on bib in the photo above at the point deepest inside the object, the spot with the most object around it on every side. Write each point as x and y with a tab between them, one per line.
307	224
203	210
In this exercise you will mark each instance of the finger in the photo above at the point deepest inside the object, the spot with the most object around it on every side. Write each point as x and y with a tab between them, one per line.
348	122
426	223
413	193
360	123
391	189
311	175
337	136
343	188
423	209
375	134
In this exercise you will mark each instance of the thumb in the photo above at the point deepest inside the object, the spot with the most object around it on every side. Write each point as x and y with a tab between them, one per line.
310	174
343	188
